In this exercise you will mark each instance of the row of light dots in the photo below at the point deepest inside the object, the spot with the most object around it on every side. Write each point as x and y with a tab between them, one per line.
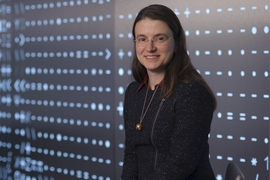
254	30
53	153
60	21
64	4
60	120
93	106
241	138
93	71
219	52
46	87
121	72
77	54
69	121
63	38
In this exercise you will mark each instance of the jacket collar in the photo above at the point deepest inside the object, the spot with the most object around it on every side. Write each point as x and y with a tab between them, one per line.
145	83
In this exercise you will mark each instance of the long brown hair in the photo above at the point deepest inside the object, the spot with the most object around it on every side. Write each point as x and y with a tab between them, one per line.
179	69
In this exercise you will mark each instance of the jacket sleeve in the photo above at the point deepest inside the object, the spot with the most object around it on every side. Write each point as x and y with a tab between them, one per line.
193	115
130	166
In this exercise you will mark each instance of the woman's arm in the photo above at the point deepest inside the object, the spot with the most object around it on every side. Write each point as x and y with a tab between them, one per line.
130	166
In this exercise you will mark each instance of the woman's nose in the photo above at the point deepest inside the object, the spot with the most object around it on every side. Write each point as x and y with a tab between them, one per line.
150	46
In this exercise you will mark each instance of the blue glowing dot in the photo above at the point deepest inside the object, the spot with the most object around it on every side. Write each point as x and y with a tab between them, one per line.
93	106
197	52
33	23
71	172
121	127
79	156
100	142
108	161
85	105
266	29
59	170
100	36
85	141
94	141
65	138
22	132
45	151
121	71
71	138
45	135
100	124
78	105
107	143
94	124
100	107
59	137
52	169
27	23
100	160
254	30
52	152
59	153
100	89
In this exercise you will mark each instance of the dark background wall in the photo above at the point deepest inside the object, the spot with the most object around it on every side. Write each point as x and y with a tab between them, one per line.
64	67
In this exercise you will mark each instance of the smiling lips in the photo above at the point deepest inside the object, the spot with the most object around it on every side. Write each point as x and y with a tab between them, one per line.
152	56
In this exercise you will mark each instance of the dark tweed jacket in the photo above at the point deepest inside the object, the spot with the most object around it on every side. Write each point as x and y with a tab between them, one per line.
173	144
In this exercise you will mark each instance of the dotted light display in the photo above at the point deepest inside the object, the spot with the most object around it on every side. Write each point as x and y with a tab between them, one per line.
65	65
229	45
56	90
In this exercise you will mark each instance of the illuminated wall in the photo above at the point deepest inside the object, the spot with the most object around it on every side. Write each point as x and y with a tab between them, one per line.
64	66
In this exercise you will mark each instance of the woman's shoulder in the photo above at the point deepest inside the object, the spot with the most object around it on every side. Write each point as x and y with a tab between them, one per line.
193	88
133	86
192	85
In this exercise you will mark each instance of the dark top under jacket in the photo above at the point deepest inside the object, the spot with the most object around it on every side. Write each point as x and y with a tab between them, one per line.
173	144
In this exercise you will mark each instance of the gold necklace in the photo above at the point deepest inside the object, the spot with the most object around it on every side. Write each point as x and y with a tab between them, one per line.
139	125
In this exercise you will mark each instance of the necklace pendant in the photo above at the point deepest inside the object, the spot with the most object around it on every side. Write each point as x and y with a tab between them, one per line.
138	127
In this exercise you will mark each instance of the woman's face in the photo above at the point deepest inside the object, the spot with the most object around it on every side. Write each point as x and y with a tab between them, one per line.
154	44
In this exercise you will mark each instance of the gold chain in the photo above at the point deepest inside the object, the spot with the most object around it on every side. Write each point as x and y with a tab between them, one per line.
139	125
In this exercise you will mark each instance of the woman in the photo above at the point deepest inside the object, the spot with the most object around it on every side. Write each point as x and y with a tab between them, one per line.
168	109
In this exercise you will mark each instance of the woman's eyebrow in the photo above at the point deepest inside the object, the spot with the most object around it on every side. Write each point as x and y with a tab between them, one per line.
159	34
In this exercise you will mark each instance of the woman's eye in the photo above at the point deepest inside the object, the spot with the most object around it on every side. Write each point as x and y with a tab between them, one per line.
161	38
141	39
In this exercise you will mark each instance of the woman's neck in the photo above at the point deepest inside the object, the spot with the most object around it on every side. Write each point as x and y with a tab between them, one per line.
154	79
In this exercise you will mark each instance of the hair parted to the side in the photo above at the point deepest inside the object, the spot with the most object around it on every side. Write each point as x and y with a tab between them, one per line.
179	69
